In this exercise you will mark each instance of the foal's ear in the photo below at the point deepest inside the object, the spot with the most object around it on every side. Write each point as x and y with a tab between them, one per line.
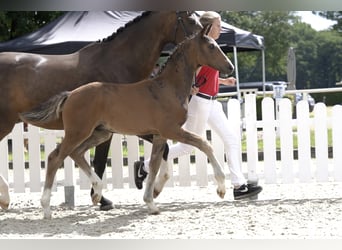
205	31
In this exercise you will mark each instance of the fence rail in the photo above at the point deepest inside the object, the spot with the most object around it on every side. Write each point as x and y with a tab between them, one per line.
25	170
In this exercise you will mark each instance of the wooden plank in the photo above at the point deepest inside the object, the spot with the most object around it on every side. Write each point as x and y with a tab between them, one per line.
18	158
4	158
50	145
133	155
251	136
303	135
321	142
337	142
201	168
234	116
269	140
34	158
286	140
116	161
184	170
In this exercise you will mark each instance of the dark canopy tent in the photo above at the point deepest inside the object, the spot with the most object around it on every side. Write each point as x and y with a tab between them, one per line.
74	30
70	32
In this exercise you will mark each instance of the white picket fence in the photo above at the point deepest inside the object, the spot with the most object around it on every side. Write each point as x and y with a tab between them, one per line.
24	172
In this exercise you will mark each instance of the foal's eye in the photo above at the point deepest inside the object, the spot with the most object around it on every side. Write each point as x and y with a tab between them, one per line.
211	46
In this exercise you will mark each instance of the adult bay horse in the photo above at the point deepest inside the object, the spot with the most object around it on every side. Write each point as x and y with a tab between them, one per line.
127	56
159	104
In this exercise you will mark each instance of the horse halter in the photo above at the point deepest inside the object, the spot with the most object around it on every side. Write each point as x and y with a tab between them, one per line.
181	23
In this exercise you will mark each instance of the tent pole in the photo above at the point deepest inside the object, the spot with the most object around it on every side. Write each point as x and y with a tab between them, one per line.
263	71
237	74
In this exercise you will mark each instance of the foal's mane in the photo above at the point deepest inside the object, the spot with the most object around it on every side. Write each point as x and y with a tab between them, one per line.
121	29
174	52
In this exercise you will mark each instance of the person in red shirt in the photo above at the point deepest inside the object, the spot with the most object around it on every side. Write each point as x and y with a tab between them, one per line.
204	109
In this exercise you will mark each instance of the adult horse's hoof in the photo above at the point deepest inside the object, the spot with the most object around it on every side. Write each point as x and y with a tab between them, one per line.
96	198
106	204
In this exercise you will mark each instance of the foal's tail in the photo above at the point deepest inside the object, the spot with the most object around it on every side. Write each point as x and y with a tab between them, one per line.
47	111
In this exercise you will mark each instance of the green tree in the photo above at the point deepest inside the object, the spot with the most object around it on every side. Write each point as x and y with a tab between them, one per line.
274	26
17	23
332	15
319	65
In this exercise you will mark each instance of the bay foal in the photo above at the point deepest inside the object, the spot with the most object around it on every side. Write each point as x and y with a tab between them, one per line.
155	106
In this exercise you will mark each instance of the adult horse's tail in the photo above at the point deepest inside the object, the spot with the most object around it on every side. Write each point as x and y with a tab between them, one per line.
47	111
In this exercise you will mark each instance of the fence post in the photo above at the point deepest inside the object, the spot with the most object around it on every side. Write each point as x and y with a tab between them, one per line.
34	158
321	142
269	139
133	152
303	135
252	136
286	139
337	142
4	158
117	161
18	158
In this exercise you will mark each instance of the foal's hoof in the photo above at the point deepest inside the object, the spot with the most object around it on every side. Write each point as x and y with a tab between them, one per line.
155	193
106	204
221	193
154	211
4	205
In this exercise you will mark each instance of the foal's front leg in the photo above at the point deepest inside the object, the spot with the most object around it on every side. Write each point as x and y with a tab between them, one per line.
156	156
187	137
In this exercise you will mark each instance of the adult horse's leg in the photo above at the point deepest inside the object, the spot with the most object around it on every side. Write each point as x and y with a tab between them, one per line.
4	193
156	157
99	162
187	137
6	127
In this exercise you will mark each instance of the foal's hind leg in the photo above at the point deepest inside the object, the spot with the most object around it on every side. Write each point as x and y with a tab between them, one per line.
95	180
184	136
71	141
99	162
163	176
156	156
55	160
96	138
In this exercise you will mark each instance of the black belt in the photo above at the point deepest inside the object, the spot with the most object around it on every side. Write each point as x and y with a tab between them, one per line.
208	97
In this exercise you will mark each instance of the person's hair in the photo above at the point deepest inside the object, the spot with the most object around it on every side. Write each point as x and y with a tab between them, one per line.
208	17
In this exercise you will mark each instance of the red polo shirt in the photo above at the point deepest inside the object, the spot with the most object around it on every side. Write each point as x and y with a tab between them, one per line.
211	86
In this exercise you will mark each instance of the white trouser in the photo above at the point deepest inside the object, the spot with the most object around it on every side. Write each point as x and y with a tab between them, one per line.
200	112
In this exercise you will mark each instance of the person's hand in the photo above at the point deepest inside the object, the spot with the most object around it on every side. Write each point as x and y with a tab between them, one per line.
194	90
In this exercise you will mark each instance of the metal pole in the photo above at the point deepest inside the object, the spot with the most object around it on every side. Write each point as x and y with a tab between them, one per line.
263	71
237	74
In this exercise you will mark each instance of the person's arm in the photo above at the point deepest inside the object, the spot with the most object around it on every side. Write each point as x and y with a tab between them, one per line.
230	81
